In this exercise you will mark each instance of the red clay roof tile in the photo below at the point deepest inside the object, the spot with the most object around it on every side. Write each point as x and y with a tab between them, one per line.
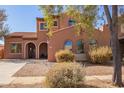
24	34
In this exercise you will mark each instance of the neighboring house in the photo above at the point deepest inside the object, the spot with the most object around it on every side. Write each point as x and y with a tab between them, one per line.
1	51
37	45
121	38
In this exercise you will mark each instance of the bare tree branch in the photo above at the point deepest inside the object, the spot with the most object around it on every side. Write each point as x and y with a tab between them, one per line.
108	16
114	14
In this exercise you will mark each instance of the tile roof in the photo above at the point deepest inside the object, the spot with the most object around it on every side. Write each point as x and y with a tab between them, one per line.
23	34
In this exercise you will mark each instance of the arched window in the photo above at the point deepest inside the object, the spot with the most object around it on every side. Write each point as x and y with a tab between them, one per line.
93	43
68	45
80	46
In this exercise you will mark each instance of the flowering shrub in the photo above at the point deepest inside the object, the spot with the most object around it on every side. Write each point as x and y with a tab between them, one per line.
100	54
65	75
64	56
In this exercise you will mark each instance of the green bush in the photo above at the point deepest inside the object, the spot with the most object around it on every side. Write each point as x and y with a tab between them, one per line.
100	54
64	56
65	75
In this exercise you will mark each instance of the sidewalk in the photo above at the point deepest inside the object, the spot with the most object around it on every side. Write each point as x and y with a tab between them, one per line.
101	77
34	80
39	80
27	80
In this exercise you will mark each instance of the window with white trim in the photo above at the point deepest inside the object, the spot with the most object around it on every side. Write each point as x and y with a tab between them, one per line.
55	23
71	22
15	47
43	26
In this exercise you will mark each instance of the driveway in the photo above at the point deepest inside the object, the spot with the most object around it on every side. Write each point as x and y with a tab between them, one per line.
8	68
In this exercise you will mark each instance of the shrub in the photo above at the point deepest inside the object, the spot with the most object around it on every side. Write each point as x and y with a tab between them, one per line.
64	56
65	75
100	54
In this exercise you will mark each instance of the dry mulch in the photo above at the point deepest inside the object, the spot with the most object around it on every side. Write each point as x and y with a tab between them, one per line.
33	69
40	69
100	69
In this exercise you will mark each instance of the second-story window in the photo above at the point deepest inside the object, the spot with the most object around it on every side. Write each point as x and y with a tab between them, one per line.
71	22
43	26
55	23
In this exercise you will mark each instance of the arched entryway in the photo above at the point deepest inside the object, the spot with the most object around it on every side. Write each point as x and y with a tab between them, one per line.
31	50
43	51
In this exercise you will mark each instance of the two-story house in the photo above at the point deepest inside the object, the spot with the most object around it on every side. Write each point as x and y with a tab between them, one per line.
37	45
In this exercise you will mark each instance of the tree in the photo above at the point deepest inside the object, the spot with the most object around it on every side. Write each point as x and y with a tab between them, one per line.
86	18
113	27
4	29
49	11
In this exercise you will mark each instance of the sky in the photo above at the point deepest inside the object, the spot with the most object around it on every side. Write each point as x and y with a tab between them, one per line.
22	18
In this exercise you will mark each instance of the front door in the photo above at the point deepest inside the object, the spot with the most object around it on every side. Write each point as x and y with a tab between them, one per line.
31	50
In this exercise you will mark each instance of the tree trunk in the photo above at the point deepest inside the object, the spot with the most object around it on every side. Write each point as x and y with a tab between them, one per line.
113	26
117	75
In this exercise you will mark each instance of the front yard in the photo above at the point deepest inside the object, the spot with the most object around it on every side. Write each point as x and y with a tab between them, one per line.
39	69
95	69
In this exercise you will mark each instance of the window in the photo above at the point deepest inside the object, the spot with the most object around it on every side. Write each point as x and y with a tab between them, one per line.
55	23
71	22
43	26
93	43
15	48
80	46
68	45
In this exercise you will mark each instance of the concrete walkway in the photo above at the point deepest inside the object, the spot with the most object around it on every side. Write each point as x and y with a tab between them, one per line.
7	69
101	77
